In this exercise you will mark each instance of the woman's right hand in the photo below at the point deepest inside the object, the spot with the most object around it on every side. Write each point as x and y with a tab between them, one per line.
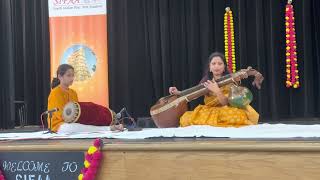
212	86
174	90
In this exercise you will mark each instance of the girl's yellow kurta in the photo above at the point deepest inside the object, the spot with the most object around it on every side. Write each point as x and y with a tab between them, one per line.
214	114
58	98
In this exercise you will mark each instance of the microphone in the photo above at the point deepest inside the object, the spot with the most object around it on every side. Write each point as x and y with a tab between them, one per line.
51	111
118	115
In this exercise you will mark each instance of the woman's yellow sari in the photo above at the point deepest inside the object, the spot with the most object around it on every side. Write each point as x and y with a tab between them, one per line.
212	113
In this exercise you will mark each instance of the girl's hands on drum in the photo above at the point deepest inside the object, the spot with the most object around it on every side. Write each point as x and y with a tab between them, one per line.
117	127
174	90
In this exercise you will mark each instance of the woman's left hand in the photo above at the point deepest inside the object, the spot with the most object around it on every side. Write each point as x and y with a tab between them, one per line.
212	86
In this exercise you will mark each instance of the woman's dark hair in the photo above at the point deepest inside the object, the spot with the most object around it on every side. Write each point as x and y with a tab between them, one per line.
62	69
207	74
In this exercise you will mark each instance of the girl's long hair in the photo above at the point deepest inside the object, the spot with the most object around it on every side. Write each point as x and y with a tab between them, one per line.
62	69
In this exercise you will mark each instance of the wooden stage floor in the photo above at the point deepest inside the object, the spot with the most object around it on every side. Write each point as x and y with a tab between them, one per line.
193	158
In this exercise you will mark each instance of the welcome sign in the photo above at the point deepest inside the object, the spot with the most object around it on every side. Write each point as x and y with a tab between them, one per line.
41	165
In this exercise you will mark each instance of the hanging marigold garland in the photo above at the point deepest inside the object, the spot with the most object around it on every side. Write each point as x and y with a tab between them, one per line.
291	48
1	175
92	161
229	40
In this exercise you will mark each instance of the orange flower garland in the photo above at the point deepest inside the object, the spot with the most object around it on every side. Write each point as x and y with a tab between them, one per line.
92	161
1	176
291	47
229	40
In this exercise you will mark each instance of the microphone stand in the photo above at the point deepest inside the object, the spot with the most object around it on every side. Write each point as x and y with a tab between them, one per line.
50	128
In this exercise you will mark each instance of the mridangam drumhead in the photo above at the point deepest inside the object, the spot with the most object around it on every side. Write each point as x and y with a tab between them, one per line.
71	112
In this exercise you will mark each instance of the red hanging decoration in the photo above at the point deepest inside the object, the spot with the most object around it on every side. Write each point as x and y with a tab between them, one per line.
291	48
229	40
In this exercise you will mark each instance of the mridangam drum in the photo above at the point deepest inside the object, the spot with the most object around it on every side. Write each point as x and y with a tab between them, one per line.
87	113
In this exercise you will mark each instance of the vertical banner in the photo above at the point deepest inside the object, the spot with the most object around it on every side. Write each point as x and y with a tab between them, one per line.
78	36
